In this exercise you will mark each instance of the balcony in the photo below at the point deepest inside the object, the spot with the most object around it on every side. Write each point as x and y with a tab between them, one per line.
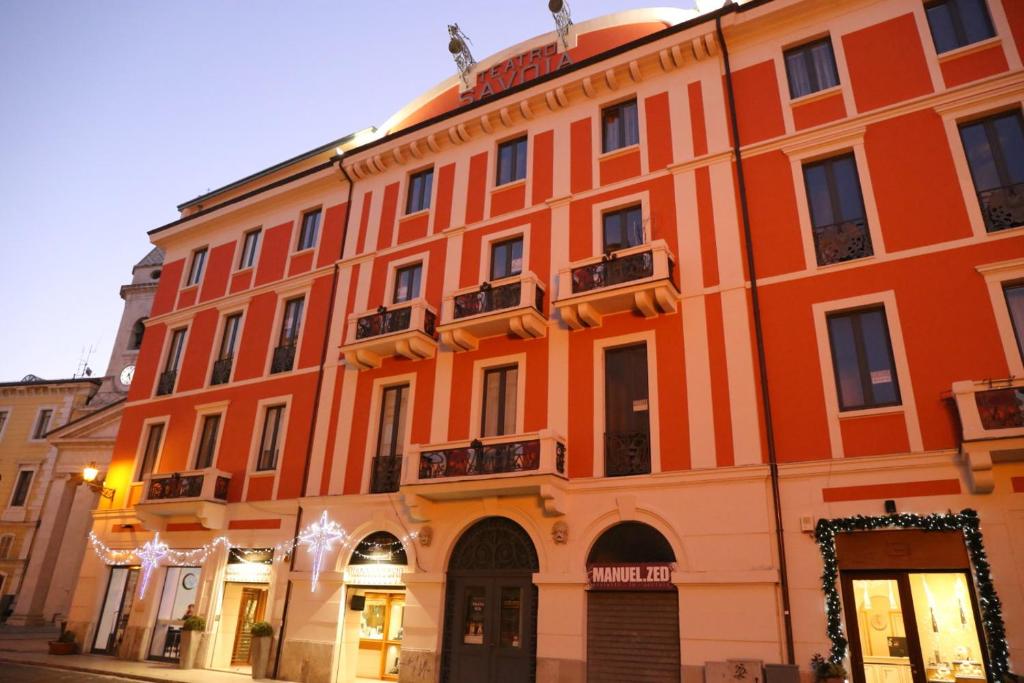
842	242
991	416
284	358
165	384
627	453
639	279
221	371
516	464
386	474
201	494
1002	207
515	306
407	330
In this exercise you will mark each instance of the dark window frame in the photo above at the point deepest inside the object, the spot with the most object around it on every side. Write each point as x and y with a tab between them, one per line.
150	450
421	186
987	123
206	448
805	52
229	336
291	321
175	350
1018	330
309	232
507	244
623	213
42	425
197	268
22	488
250	249
829	164
503	372
864	371
277	411
957	22
399	273
395	448
625	139
516	147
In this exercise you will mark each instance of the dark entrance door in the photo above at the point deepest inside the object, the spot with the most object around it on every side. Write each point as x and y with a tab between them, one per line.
491	606
627	439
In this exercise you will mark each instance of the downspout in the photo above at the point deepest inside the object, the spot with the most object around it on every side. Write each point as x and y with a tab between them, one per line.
773	463
312	421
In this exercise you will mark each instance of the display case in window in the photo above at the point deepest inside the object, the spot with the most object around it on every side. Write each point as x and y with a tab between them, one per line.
380	635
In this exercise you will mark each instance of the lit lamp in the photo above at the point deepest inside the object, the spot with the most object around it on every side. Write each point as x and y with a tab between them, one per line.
88	477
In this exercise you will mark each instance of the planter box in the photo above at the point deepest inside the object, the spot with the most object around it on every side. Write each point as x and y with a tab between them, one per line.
59	648
260	655
189	649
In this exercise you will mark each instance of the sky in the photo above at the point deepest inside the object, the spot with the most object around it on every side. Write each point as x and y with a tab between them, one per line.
114	112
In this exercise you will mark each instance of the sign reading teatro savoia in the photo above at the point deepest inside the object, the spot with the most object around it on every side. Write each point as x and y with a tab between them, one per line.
517	69
653	576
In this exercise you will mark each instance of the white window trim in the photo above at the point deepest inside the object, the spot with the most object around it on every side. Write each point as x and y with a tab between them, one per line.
599	209
526	181
908	405
241	309
421	257
3	428
597	145
50	426
254	446
842	72
376	393
283	297
996	276
202	411
237	267
403	202
188	268
23	467
489	240
653	412
315	249
1000	26
477	403
140	449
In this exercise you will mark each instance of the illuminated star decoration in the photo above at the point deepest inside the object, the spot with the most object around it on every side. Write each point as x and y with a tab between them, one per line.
150	555
319	538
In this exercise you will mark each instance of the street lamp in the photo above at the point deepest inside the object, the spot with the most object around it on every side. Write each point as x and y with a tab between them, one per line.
89	477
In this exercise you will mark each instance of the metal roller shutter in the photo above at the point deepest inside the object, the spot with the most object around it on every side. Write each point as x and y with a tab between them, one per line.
632	637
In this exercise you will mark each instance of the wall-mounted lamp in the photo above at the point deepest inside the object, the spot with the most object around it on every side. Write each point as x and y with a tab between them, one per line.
89	477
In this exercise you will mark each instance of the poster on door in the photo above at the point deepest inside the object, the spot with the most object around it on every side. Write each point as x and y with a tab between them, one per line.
476	605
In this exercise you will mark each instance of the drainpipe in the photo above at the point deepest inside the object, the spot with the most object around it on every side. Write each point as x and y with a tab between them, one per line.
312	421
773	464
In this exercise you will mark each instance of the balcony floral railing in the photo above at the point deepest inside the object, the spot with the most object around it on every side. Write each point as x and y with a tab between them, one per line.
409	329
208	484
534	453
514	306
165	385
1002	207
612	270
627	453
842	242
1001	408
489	299
221	371
386	475
387	322
284	358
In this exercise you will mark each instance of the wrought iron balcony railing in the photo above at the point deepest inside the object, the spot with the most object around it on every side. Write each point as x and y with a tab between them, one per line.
409	329
386	475
613	270
1002	207
627	453
207	484
489	299
221	371
165	385
497	456
1001	408
842	242
514	306
284	358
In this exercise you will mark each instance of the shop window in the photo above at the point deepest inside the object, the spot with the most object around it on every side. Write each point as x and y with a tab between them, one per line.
956	23
995	153
623	228
250	244
511	161
21	488
620	126
195	271
1015	303
420	185
270	439
42	424
207	441
407	283
810	68
862	359
837	210
310	230
177	599
154	437
499	409
381	630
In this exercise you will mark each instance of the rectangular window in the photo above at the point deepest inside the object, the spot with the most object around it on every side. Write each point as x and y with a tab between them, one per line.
499	410
291	322
391	430
42	423
956	23
250	245
270	439
229	340
407	282
195	272
623	228
3	422
862	359
310	230
21	488
511	161
175	350
837	210
810	68
152	449
507	258
1015	303
620	126
420	185
995	153
207	441
627	426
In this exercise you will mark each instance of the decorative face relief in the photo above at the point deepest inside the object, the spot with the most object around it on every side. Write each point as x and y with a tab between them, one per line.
127	375
425	535
560	533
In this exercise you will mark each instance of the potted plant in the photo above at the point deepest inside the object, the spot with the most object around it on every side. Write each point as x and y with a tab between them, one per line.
191	633
65	643
826	670
262	633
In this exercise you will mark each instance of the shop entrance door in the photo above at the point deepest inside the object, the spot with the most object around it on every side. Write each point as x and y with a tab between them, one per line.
913	627
381	627
117	605
250	611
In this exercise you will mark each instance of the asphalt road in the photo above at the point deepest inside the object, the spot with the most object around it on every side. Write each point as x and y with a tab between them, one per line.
19	673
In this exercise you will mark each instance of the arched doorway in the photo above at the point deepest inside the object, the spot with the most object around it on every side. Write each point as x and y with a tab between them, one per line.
632	607
490	626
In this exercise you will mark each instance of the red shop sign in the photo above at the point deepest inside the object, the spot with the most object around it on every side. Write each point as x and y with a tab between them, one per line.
652	576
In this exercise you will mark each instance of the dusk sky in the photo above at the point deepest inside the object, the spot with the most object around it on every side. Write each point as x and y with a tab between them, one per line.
115	112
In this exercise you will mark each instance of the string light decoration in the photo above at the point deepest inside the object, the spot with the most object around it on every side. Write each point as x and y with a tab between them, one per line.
965	521
319	538
377	548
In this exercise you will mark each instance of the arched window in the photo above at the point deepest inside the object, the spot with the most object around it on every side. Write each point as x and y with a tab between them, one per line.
6	543
138	329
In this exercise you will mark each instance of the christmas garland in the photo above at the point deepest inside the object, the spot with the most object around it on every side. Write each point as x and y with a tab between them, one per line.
965	521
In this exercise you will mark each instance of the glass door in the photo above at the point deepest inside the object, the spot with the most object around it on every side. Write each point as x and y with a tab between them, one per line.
177	599
117	605
380	638
249	612
947	625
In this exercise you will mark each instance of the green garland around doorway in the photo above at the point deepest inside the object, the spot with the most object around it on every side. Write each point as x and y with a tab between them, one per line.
965	521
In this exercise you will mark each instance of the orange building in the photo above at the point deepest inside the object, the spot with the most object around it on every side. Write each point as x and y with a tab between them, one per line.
668	346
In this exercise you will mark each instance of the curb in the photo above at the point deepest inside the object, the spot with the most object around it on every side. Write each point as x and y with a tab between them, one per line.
87	670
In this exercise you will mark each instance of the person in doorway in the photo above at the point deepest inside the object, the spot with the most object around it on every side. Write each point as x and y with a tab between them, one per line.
190	611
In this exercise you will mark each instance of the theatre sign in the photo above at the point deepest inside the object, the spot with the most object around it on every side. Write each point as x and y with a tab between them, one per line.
515	70
630	576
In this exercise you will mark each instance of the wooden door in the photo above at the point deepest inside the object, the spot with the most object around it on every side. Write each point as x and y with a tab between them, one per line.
492	633
250	610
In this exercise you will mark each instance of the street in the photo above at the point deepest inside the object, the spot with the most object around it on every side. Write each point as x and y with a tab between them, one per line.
19	673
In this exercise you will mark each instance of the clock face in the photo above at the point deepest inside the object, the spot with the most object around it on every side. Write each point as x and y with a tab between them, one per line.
127	374
188	582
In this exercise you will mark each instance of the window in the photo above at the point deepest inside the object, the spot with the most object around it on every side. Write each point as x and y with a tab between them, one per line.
1014	301
511	161
419	191
150	451
407	282
507	258
955	23
42	423
21	488
627	427
138	331
3	422
291	322
195	272
620	126
226	353
6	543
837	210
249	246
207	441
810	68
165	384
862	359
391	430
499	411
270	439
995	153
623	228
310	228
